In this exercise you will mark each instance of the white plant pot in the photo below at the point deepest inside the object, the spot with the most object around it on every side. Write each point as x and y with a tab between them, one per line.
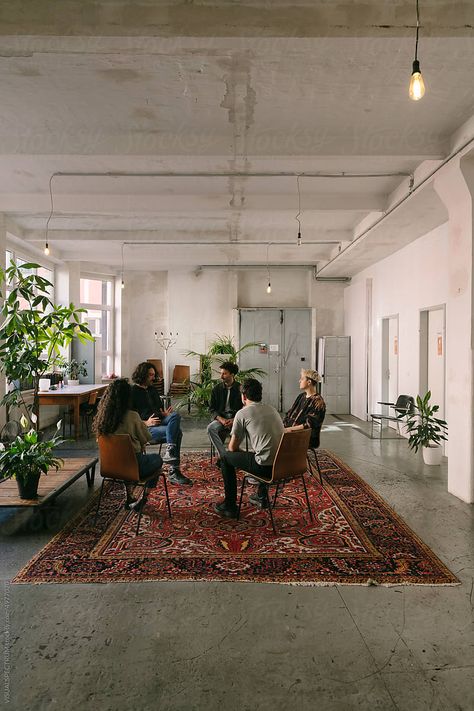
72	382
433	454
44	384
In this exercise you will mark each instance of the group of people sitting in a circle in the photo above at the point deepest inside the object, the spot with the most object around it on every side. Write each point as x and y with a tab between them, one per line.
237	411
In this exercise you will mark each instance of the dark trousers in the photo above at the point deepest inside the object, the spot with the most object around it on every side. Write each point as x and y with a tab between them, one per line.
241	460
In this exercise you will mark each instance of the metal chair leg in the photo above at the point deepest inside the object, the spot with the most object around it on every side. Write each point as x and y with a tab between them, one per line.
167	495
142	505
270	509
244	481
277	489
307	499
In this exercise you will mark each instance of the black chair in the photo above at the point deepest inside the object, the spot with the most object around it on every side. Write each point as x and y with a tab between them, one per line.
404	405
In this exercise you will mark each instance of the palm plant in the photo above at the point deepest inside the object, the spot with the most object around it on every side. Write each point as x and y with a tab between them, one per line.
423	428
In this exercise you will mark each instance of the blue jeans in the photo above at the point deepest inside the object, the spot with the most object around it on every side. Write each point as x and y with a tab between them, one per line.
148	463
168	431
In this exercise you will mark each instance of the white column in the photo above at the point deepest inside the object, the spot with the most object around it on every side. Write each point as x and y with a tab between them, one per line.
3	245
456	193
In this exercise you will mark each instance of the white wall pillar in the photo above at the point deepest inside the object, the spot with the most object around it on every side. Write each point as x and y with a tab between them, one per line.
3	245
456	194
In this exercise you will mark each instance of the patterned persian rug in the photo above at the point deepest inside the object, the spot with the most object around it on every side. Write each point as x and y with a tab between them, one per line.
356	538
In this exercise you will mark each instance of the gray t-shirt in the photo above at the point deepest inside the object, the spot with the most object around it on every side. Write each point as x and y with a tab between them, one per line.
264	427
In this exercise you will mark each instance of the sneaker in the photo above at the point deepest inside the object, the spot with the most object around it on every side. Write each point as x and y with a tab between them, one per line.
225	512
253	481
138	506
176	477
260	501
128	504
170	454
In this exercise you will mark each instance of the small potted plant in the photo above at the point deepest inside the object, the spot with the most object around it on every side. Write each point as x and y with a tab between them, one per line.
74	369
28	456
425	430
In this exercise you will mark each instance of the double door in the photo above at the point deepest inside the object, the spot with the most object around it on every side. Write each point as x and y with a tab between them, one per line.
283	338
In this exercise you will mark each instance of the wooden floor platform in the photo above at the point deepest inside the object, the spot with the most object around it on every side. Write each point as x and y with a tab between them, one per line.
52	484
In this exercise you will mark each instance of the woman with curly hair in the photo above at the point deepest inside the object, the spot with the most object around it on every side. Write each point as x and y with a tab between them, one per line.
309	408
114	416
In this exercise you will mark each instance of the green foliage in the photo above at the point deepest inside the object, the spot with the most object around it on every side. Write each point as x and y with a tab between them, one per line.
220	350
28	456
422	425
34	329
74	369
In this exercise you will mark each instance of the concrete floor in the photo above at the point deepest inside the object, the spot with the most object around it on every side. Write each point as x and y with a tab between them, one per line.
240	646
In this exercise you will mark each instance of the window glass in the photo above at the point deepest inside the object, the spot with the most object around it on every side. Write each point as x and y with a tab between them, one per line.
97	299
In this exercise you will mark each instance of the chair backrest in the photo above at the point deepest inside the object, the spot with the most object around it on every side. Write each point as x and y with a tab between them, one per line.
93	397
158	365
290	459
117	457
405	403
181	374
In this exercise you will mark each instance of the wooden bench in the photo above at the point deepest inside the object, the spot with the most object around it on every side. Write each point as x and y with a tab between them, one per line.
52	484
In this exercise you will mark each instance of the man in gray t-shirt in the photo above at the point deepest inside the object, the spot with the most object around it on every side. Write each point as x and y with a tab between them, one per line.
263	427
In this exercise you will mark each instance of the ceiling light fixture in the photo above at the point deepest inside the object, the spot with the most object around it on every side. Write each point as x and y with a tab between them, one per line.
297	218
122	282
46	245
417	85
269	287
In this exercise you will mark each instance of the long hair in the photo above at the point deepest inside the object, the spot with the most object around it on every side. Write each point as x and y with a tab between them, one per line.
112	407
141	372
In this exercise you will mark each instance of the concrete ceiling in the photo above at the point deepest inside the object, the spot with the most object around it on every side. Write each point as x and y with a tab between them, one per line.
179	129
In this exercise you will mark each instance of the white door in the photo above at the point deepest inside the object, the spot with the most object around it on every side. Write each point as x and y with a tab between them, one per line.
389	363
284	347
436	358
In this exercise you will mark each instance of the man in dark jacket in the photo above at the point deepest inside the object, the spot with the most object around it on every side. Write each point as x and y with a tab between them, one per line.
225	402
163	424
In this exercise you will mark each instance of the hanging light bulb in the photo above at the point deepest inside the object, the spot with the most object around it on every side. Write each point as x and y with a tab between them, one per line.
297	218
269	287
46	244
417	85
122	284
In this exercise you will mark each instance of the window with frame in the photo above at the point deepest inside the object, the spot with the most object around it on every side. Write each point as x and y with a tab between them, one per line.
96	296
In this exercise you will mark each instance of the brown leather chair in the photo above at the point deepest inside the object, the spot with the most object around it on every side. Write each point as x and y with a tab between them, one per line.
180	382
87	411
290	463
118	462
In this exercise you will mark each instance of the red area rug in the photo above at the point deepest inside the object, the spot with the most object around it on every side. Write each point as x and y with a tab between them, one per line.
356	538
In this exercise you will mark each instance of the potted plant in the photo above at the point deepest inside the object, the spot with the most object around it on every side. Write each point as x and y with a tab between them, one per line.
33	332
28	456
425	430
73	370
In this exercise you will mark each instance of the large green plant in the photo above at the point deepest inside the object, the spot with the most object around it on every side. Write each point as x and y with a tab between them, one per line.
33	331
422	426
221	349
28	455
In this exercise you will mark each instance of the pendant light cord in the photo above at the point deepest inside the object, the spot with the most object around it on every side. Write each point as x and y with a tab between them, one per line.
52	208
417	29
297	218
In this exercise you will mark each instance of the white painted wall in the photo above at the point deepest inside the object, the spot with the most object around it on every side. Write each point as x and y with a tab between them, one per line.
414	278
200	305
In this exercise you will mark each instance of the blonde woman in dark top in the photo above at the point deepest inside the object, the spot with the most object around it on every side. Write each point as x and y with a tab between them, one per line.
114	416
309	408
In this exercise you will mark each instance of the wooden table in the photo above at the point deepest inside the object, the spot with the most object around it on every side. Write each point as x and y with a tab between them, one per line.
50	485
70	395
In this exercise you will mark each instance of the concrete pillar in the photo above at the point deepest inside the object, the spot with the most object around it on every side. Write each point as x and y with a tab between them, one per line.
3	245
456	193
